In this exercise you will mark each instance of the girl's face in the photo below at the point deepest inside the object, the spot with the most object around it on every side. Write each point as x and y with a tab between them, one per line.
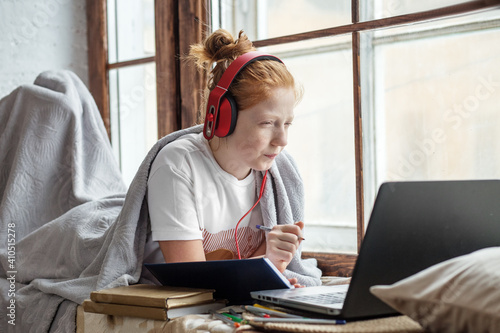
260	134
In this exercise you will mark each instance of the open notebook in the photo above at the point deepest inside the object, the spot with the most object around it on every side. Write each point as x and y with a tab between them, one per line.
232	280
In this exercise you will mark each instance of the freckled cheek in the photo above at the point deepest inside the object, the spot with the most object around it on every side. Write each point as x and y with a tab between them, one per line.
251	145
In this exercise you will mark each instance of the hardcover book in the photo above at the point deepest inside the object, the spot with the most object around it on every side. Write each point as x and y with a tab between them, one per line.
147	312
153	296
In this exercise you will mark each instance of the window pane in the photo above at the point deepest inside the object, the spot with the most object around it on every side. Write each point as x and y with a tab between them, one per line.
475	21
131	29
321	140
437	105
279	17
133	115
388	8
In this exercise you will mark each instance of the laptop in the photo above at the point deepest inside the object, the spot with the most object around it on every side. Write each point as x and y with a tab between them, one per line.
413	225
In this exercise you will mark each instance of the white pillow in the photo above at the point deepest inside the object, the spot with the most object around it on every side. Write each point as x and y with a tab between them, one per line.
457	295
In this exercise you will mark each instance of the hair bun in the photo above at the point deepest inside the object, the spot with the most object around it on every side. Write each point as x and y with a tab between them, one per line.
220	48
219	45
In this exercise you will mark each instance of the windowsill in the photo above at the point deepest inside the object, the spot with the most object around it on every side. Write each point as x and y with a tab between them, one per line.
332	238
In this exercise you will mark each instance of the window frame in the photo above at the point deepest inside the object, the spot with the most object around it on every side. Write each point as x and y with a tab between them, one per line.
178	103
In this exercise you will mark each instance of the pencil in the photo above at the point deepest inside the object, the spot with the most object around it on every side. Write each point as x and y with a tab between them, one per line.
222	317
233	317
299	320
258	310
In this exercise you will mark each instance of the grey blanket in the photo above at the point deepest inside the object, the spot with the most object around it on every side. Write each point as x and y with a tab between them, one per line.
68	225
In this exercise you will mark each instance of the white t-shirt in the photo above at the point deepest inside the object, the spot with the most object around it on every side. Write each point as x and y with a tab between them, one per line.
191	197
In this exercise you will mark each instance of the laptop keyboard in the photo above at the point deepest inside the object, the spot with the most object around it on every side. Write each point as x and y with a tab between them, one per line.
329	298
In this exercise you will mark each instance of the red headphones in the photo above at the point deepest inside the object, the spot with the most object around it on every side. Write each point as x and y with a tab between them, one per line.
222	111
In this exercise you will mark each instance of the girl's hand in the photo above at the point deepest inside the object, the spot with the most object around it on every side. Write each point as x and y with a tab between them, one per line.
294	282
282	243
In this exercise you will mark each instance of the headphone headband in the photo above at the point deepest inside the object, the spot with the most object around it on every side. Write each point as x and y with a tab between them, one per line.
215	99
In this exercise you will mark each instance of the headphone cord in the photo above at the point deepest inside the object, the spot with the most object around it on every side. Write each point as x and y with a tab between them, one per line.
237	224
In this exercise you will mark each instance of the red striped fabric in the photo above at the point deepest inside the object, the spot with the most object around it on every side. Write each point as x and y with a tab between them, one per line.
249	240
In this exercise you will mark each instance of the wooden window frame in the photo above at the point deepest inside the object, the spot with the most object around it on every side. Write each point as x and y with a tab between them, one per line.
179	84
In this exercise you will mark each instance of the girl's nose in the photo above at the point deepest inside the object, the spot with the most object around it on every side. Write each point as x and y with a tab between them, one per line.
280	137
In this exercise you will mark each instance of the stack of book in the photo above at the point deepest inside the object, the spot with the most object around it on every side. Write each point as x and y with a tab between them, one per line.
152	302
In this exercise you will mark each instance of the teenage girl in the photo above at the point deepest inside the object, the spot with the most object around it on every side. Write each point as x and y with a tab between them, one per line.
202	185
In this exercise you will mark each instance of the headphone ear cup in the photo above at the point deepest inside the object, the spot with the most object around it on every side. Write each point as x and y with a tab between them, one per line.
226	119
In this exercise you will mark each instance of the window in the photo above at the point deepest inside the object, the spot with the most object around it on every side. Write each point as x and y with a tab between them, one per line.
394	90
418	111
140	84
132	88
